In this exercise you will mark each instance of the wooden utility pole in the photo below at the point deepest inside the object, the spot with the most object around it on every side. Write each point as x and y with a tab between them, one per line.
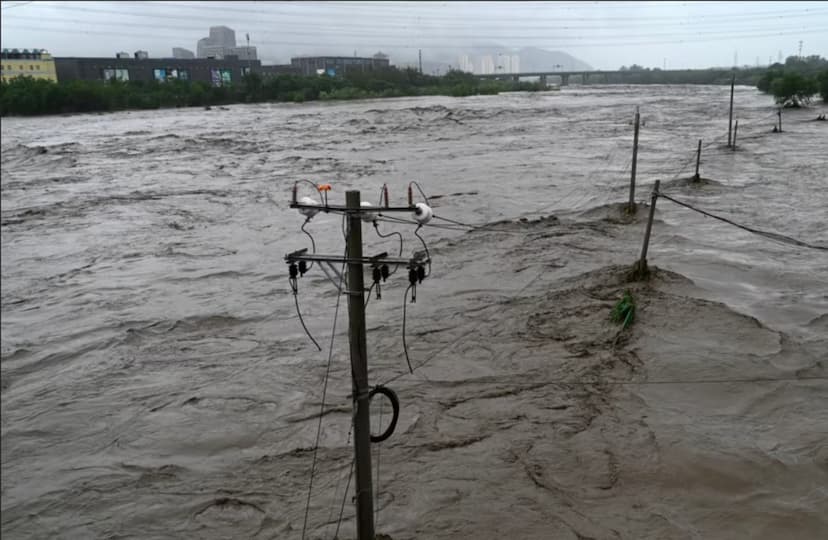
779	114
631	207
696	177
735	129
730	120
359	370
640	270
420	54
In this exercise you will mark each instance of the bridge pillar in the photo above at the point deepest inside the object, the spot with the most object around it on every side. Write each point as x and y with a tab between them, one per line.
543	82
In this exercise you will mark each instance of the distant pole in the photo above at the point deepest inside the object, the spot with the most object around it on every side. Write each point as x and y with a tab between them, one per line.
640	271
698	160
779	113
359	372
735	129
631	207
730	121
421	60
249	58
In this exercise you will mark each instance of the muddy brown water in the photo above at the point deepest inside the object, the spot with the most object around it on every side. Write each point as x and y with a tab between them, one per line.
156	382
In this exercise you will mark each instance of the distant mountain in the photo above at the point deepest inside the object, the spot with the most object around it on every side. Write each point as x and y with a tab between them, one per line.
534	59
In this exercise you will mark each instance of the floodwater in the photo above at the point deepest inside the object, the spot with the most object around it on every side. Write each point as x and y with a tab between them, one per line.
157	383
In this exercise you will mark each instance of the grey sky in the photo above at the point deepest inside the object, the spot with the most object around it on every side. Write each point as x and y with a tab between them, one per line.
606	35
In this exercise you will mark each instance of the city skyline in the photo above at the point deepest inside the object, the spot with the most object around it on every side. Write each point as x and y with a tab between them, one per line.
605	35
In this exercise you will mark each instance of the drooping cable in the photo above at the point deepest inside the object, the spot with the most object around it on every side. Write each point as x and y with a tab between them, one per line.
313	243
767	234
344	498
405	345
428	256
393	233
324	394
295	288
421	191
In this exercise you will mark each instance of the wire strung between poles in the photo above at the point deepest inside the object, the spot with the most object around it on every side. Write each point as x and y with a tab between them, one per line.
324	394
772	235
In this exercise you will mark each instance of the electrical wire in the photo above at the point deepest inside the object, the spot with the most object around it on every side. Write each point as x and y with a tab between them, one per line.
344	498
405	345
428	256
295	288
324	395
767	234
313	243
421	191
377	492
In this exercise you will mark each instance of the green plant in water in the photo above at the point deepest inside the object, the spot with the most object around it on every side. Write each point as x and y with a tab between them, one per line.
624	310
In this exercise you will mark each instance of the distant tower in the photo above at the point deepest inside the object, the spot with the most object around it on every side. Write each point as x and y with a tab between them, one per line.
800	49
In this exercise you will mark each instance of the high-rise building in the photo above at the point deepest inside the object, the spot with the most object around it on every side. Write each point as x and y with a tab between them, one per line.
464	63
221	35
179	52
515	63
487	65
221	44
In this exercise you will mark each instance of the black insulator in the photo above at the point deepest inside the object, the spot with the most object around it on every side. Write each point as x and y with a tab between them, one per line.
385	272
377	274
412	276
420	273
303	267
294	270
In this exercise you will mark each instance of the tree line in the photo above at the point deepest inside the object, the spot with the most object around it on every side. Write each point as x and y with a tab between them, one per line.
28	96
795	82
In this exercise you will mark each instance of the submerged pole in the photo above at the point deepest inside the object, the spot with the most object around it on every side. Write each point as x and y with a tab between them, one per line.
779	113
730	121
696	177
631	206
359	370
735	129
640	271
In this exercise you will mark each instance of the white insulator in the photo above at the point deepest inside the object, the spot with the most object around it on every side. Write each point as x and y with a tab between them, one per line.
422	213
308	212
368	217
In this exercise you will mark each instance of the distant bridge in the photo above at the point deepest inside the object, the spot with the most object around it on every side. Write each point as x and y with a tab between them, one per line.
655	76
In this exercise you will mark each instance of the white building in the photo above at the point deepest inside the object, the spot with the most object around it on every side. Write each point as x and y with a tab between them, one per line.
464	63
487	65
222	43
179	52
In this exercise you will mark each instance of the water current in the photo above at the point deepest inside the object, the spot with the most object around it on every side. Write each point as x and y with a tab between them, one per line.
157	383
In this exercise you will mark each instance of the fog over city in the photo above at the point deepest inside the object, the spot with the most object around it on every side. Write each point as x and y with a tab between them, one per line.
599	35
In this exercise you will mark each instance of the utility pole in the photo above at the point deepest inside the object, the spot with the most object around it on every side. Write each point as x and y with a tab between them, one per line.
631	207
355	290
359	369
730	121
420	54
249	58
800	49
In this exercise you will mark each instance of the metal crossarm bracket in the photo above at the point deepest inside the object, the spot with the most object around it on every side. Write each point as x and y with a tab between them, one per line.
345	210
419	258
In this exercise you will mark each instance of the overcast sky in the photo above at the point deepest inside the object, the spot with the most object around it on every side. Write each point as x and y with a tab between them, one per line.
605	35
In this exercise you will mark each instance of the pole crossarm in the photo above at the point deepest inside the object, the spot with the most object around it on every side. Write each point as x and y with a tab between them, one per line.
337	208
382	258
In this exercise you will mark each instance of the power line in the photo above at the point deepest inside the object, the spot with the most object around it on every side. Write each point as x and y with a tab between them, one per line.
418	46
772	235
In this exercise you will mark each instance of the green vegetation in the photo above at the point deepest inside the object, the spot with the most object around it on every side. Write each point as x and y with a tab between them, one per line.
27	96
624	310
793	83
